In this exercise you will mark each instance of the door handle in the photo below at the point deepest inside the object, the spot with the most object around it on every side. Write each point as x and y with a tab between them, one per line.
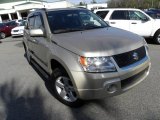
113	22
133	23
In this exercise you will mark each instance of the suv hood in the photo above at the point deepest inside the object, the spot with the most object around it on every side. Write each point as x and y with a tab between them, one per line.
99	42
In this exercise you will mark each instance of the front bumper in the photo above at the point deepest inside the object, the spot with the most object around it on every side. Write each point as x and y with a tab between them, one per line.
97	85
14	34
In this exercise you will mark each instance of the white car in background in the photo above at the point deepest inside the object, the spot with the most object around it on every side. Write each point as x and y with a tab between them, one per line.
18	31
133	20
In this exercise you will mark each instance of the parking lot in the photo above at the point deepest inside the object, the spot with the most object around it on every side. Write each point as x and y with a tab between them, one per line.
24	94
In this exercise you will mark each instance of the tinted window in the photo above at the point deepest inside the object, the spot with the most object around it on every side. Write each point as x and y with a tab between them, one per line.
31	22
12	23
102	14
38	22
73	20
119	15
1	25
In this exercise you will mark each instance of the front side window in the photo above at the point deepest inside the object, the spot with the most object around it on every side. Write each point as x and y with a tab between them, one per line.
102	14
119	15
38	22
137	15
73	20
31	22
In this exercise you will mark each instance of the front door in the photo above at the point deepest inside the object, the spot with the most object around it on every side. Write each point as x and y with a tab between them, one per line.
140	23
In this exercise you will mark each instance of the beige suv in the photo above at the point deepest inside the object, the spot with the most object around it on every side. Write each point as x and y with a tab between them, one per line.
82	56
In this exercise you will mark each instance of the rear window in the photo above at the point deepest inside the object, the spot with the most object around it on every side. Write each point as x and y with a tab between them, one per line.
102	14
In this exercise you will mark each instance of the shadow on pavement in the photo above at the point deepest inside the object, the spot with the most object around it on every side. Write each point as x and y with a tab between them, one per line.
28	106
19	45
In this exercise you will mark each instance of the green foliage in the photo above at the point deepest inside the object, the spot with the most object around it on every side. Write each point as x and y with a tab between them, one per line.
93	1
82	4
142	4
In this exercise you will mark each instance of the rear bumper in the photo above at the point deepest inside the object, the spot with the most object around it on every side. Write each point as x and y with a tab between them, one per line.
98	85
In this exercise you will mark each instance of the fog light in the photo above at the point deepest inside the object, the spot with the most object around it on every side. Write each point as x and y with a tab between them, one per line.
112	88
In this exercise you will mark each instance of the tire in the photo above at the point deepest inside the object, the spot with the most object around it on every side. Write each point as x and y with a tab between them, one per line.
63	88
2	35
157	37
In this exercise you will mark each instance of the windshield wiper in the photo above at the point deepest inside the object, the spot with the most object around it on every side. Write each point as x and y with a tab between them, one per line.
67	30
93	27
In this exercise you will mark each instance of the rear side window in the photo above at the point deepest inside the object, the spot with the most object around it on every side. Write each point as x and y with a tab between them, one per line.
102	14
119	15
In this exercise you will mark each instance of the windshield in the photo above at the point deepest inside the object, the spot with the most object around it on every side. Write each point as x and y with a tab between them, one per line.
22	23
73	20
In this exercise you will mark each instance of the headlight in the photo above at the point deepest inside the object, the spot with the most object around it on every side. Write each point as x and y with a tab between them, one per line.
146	46
97	64
21	30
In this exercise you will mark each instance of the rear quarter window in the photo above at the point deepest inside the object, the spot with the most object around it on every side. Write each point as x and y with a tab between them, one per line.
102	14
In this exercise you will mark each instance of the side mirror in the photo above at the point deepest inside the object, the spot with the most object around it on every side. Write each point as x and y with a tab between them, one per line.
36	33
145	19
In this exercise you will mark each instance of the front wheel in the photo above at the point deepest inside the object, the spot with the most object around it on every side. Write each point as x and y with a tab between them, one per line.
63	88
157	37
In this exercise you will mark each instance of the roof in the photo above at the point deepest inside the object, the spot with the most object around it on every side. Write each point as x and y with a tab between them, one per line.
58	9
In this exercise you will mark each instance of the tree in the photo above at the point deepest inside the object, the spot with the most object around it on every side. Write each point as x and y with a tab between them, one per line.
142	4
93	1
82	3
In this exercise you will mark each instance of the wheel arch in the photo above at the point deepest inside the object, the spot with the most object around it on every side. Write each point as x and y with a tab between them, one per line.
56	62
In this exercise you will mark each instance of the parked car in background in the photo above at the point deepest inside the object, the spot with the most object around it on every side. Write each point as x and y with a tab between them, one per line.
18	31
18	21
5	28
133	20
153	14
82	56
3	31
154	10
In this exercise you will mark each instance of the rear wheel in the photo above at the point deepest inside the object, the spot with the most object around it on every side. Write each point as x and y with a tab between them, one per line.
2	35
157	37
63	88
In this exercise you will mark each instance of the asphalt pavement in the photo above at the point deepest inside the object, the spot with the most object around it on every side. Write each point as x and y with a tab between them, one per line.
24	94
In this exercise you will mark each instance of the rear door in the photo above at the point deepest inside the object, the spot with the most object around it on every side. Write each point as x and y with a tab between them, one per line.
119	19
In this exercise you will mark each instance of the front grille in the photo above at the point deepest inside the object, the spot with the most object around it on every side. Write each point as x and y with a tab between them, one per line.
130	57
15	30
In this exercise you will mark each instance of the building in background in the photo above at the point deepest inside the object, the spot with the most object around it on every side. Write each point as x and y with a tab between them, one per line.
20	9
97	6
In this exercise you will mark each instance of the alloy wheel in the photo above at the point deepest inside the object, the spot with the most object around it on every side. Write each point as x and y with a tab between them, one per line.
65	89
